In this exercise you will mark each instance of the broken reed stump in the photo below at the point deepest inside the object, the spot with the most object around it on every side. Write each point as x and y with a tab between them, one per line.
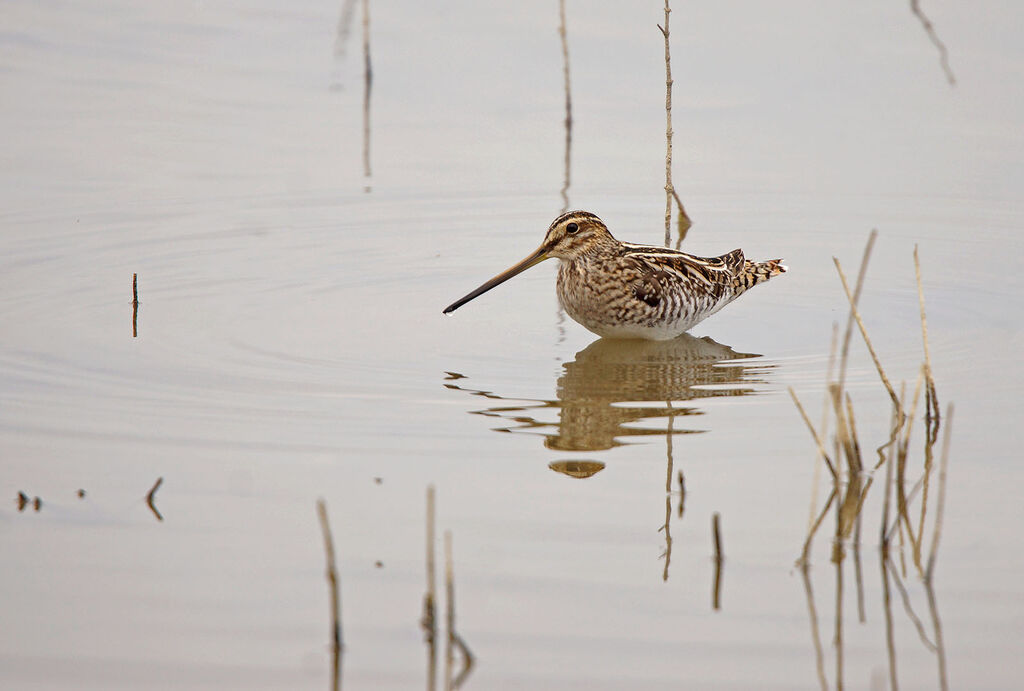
135	305
716	534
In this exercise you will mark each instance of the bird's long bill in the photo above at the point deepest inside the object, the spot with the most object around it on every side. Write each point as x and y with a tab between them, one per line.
536	258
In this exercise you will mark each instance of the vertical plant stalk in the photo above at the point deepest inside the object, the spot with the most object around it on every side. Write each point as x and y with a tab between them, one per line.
669	189
848	333
367	84
814	433
563	34
867	342
716	535
931	398
334	587
135	305
682	495
941	501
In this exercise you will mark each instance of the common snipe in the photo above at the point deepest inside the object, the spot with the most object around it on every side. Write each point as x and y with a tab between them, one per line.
620	290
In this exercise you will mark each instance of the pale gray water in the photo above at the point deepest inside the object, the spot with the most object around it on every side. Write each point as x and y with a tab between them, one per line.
291	346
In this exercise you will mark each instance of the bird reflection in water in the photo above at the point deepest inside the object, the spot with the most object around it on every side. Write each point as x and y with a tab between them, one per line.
611	385
614	390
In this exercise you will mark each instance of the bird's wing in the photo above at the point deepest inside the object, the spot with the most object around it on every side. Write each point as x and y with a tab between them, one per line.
710	272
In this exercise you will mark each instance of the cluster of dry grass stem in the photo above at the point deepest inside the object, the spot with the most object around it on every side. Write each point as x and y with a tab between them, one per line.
853	475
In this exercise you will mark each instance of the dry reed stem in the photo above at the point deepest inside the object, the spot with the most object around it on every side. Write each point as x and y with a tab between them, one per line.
842	431
716	534
563	35
883	537
941	501
817	524
867	340
814	433
910	498
669	188
848	332
854	443
135	305
932	398
332	576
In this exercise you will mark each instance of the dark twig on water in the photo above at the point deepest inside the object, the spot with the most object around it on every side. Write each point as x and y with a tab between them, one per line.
151	494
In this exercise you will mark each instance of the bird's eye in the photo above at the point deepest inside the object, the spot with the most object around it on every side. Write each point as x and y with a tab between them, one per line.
572	228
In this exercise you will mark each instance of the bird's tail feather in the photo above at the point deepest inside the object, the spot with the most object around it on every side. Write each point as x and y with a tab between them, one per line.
757	272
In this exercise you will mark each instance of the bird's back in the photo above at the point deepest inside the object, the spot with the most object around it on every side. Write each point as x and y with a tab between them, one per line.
652	292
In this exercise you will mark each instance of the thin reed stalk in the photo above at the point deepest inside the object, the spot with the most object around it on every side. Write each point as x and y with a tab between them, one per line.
867	340
333	581
669	188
